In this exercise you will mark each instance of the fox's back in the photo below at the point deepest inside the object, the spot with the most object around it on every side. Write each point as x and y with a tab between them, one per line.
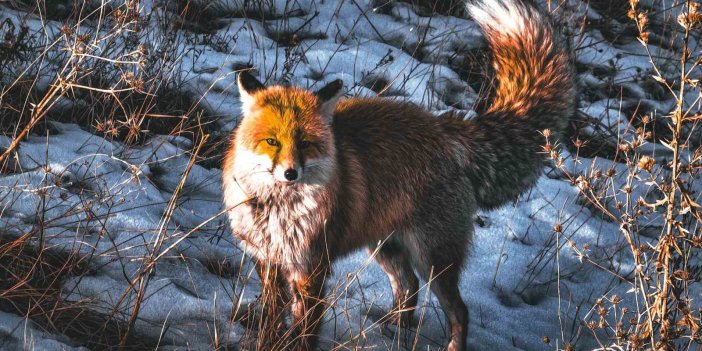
399	138
400	151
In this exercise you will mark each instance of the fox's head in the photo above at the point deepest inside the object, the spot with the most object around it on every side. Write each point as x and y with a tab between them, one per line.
285	136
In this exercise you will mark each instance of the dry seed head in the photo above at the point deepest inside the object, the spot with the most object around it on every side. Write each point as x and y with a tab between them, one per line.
128	76
635	341
558	228
137	84
644	37
646	163
601	311
631	14
636	143
65	29
559	162
690	19
121	16
642	19
582	183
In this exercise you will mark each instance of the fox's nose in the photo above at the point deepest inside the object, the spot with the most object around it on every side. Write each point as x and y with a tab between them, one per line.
290	174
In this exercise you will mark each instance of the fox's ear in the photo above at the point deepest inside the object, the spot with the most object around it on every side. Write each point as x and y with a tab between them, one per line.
248	85
328	97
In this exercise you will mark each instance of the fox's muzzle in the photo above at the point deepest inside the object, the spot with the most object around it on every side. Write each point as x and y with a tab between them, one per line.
287	173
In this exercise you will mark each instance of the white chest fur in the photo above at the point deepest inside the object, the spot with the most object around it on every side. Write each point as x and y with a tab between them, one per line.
278	225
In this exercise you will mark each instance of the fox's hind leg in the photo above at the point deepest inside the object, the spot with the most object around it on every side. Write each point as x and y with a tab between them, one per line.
392	258
442	272
438	243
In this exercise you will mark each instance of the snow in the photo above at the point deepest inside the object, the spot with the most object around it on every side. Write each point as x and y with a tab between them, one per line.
107	200
17	333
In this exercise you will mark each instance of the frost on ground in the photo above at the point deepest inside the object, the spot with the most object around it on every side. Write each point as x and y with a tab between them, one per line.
121	204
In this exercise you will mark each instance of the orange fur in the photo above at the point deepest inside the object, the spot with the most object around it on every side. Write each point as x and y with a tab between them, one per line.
290	116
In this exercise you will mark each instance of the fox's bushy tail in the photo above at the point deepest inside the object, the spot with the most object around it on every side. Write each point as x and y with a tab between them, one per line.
535	91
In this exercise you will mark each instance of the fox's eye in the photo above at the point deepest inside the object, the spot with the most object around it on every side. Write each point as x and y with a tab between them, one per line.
305	144
272	142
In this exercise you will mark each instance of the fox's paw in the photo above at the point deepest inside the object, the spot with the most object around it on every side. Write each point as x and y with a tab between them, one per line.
264	330
404	319
395	317
247	314
253	316
396	324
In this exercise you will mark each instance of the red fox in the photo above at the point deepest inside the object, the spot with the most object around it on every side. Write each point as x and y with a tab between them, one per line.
318	177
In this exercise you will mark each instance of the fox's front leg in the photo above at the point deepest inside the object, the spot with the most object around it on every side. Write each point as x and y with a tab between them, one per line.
274	298
307	307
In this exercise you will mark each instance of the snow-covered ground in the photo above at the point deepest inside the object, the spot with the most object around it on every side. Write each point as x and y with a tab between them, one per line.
109	201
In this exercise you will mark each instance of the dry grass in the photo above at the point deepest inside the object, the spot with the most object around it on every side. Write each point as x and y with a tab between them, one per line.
661	313
31	280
